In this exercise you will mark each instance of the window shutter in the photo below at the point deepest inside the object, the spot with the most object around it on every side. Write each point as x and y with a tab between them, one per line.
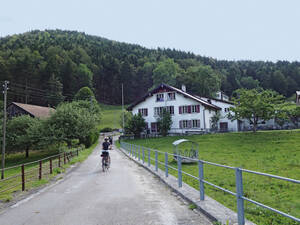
140	111
190	124
146	112
198	108
189	109
180	109
198	123
180	124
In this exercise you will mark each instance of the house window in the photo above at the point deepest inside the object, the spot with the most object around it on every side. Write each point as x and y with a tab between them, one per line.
195	123
159	110
195	108
160	97
170	109
143	112
189	109
171	96
226	109
185	124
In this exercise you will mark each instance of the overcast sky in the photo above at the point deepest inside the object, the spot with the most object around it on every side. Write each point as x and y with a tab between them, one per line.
223	29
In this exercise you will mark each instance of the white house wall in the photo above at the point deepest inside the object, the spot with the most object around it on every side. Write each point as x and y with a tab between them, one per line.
232	125
180	100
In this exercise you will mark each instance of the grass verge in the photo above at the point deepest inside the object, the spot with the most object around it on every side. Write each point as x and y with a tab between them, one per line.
274	152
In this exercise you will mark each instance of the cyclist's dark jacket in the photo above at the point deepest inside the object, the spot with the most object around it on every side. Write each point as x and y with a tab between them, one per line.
105	145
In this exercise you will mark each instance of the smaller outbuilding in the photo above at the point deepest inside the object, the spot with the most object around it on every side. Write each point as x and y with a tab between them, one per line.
35	111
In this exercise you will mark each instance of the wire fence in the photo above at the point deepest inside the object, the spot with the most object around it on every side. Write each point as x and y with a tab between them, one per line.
143	154
21	176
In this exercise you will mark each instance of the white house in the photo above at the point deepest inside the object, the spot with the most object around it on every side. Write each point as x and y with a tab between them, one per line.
189	113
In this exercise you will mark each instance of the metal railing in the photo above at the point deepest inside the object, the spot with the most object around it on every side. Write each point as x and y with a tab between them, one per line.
33	171
136	151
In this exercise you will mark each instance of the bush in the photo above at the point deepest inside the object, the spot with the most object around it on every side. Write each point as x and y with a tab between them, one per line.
91	139
106	129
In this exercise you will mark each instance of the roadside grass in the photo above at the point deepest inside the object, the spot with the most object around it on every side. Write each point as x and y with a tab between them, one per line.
110	116
31	172
274	152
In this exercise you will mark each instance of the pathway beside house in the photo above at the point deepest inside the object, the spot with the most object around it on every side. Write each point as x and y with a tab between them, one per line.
127	194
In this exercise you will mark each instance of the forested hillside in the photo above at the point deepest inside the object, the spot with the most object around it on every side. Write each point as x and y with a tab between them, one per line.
45	67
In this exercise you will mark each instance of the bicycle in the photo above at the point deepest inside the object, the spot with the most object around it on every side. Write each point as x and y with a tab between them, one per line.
105	162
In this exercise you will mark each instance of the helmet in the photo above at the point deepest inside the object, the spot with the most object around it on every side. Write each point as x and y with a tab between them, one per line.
106	139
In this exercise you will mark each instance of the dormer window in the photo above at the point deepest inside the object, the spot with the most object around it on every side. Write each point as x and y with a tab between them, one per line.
160	97
171	96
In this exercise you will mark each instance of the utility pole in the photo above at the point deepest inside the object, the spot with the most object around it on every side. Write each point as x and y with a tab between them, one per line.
123	109
4	129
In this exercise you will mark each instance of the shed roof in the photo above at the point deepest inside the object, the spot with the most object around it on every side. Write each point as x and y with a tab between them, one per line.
177	142
36	110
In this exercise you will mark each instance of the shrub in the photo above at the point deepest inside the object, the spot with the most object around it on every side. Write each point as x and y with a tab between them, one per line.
106	129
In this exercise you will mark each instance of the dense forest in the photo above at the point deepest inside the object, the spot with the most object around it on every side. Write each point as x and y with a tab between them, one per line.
45	67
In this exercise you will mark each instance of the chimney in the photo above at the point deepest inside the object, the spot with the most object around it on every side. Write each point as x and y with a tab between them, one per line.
183	87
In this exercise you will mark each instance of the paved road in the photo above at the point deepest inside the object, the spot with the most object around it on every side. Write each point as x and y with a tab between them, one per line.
127	194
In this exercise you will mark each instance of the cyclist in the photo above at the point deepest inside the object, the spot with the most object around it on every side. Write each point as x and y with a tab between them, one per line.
110	140
105	148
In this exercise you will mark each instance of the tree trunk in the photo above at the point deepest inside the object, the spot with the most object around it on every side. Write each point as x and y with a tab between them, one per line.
27	152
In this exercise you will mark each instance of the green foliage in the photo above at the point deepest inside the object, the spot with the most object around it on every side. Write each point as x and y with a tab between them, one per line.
73	121
214	120
84	94
164	122
255	105
106	129
18	133
135	125
75	60
202	80
166	72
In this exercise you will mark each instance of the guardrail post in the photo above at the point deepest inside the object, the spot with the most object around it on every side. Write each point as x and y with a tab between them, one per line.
239	195
156	162
59	160
179	171
149	157
23	177
166	163
50	166
201	178
130	149
143	152
40	170
139	153
135	151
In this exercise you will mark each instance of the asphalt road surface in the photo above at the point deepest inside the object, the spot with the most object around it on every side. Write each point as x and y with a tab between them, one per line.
125	195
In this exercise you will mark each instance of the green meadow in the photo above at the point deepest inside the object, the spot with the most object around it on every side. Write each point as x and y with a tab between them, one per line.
110	116
273	152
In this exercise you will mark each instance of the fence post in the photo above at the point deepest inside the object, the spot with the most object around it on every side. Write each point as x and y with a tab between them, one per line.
239	195
130	149
149	157
166	163
143	152
64	158
135	151
156	162
50	166
23	177
59	160
179	171
40	170
201	177
139	153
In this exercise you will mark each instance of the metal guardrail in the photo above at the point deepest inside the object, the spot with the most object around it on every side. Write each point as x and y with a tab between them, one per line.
34	171
135	151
